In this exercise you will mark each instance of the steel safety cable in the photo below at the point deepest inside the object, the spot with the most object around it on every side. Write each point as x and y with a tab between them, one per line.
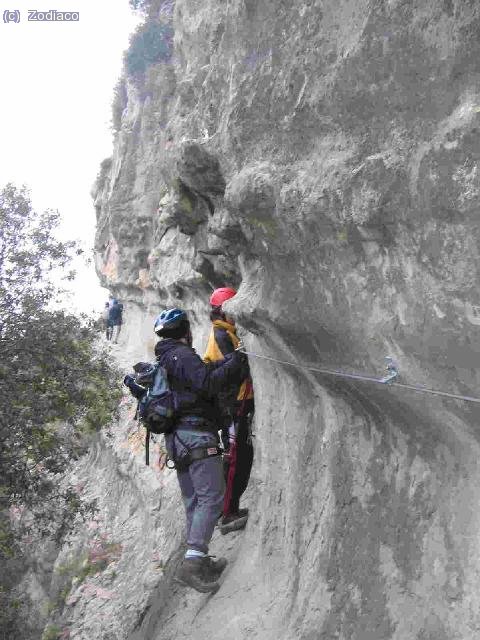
358	376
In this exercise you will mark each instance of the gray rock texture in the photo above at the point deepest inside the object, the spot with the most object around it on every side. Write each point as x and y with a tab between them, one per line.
321	155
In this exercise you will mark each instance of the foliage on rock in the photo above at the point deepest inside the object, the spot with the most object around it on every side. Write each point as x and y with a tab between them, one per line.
139	5
163	7
54	632
119	104
151	43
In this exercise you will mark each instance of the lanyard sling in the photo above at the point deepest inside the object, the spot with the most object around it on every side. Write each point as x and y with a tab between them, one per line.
232	466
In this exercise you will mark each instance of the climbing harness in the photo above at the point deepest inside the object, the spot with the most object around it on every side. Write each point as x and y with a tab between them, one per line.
391	379
192	455
199	453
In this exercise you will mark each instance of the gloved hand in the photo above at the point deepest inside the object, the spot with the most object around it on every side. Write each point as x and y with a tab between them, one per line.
239	362
136	389
129	380
237	356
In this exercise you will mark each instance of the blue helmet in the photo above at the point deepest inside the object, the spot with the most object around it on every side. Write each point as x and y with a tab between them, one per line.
171	323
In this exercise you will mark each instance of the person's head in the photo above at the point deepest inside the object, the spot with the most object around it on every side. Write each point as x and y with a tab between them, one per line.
107	304
218	297
173	323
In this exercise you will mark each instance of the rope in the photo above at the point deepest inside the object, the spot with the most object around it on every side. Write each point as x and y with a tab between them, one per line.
358	376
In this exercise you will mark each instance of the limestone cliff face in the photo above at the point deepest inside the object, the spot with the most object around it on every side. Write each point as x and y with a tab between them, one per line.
321	155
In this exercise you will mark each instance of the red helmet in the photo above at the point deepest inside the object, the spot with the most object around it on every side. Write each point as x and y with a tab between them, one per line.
219	296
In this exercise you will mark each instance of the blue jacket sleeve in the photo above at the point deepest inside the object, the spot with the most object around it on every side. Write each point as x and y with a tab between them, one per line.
202	378
226	346
223	341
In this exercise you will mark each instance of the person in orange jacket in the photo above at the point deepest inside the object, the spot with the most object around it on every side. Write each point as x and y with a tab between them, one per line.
237	406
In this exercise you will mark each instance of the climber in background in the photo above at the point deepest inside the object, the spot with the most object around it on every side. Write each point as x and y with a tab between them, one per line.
237	408
115	319
193	444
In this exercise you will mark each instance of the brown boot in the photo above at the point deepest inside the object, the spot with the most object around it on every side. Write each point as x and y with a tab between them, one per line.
192	573
214	568
233	522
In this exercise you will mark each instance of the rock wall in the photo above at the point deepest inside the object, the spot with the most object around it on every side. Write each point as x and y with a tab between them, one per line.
323	157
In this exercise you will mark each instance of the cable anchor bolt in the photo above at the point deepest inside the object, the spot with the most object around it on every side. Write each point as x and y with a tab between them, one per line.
392	371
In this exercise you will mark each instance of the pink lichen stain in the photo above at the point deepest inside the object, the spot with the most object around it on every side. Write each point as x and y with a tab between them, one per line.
105	594
110	261
90	590
16	512
136	440
72	600
144	279
103	551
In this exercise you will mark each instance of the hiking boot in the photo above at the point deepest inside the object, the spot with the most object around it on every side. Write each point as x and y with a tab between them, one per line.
241	513
233	522
214	568
192	574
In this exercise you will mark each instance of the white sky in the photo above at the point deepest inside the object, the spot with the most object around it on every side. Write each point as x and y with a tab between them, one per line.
57	84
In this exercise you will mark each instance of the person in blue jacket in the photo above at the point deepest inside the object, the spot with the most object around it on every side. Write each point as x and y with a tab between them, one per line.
115	320
194	444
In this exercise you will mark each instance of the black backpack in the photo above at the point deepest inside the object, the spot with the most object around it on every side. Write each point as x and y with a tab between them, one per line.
156	408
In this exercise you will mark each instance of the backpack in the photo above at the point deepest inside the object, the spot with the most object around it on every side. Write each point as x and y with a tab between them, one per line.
156	408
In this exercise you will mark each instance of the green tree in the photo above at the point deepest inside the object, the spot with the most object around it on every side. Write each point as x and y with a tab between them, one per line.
151	43
57	386
139	5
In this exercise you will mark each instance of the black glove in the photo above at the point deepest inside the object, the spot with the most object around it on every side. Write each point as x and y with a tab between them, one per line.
136	390
237	356
240	361
129	380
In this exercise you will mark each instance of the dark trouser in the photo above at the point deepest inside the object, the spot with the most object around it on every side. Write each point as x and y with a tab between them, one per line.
108	330
202	486
243	461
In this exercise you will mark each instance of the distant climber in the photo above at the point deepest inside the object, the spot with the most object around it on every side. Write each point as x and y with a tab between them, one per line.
237	407
115	319
193	444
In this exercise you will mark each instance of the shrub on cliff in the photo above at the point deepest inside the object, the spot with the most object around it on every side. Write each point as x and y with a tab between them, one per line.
119	103
152	42
139	5
161	7
56	385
